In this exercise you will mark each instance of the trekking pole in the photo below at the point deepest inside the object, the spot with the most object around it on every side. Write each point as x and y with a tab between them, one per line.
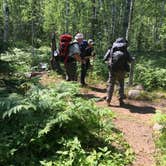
131	73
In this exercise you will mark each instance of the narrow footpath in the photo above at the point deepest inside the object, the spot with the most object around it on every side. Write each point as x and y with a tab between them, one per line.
135	121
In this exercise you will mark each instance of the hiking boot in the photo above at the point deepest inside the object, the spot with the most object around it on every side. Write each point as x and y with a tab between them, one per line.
124	96
121	103
83	84
108	101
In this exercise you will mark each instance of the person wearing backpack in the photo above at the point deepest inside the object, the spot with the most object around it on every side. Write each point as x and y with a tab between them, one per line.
70	53
118	58
86	49
86	55
83	44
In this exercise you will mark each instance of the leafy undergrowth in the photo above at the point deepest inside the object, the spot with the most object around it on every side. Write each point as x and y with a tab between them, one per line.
160	139
54	126
21	60
150	70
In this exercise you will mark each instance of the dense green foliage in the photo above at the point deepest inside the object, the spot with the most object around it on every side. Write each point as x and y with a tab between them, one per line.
53	125
32	21
160	141
35	125
150	70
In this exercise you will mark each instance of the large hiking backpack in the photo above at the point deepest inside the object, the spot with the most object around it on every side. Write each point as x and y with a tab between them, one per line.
118	61
65	40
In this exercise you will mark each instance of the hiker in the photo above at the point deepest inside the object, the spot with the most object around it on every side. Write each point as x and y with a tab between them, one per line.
118	58
79	38
83	45
86	55
55	61
70	52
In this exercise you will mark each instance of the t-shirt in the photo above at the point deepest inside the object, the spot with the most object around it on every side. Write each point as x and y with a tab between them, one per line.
74	49
83	47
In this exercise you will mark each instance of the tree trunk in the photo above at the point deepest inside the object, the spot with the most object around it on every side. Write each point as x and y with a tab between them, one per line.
93	22
131	5
6	21
113	19
159	22
67	16
128	18
127	26
32	28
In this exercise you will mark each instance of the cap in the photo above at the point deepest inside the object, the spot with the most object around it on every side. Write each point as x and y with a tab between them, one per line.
90	41
121	40
79	36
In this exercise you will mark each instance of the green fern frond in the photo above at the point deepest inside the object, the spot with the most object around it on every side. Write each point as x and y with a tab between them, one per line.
60	120
71	88
18	108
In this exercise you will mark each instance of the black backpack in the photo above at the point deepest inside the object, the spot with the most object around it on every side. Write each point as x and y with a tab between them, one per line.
118	61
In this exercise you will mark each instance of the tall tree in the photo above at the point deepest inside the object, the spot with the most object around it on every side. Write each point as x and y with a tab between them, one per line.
32	28
6	21
131	5
127	37
67	16
127	17
94	15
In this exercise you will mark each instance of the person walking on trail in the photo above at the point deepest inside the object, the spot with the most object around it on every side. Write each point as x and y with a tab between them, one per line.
118	58
83	44
71	62
87	54
86	49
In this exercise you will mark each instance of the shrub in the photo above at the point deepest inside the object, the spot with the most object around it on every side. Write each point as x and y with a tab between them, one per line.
53	126
160	139
151	79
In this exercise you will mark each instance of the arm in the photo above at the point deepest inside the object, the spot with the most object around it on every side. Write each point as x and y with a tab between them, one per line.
74	51
77	57
130	59
108	54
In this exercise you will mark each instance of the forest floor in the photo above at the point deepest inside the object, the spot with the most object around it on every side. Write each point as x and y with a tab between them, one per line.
134	119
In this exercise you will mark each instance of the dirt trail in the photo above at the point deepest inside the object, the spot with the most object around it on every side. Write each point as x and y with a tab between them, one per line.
135	121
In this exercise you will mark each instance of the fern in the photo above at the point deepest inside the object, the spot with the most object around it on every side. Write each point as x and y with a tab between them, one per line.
60	120
19	108
7	103
60	129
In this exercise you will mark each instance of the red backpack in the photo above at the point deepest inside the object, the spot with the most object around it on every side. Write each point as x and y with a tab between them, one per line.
65	40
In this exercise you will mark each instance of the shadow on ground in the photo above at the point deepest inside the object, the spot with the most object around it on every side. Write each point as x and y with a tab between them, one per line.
138	109
133	108
96	89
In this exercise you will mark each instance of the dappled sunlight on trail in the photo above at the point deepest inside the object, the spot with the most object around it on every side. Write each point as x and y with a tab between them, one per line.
134	119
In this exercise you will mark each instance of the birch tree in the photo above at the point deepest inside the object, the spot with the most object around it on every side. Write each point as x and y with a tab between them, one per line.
67	16
6	21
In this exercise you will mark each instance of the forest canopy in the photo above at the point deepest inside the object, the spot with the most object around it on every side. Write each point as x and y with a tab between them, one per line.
103	20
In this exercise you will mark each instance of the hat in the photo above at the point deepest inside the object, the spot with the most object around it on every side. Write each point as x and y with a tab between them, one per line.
79	36
90	41
121	40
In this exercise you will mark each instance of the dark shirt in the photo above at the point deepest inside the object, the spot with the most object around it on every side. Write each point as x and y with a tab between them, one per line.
83	47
